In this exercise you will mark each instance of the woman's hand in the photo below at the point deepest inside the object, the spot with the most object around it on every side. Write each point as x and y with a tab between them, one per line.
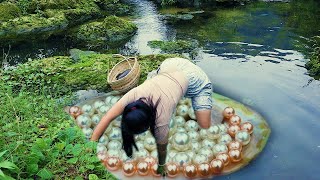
161	170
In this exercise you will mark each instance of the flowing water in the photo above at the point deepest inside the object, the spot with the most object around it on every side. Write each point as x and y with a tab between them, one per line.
254	54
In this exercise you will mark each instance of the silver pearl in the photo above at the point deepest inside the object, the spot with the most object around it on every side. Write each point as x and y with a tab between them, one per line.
206	152
181	158
172	123
195	146
191	125
108	129
223	128
243	136
87	132
117	122
101	148
150	143
104	140
191	113
172	153
220	148
225	139
203	133
183	101
199	159
190	153
96	119
213	132
206	143
98	104
154	154
113	153
103	109
181	129
194	136
179	121
87	109
142	153
114	145
115	134
182	110
114	100
108	100
84	121
181	141
140	144
123	156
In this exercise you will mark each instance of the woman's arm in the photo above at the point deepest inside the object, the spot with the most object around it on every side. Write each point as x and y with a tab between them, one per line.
114	112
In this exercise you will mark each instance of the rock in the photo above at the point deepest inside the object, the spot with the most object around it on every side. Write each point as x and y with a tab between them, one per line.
112	30
178	17
76	54
9	11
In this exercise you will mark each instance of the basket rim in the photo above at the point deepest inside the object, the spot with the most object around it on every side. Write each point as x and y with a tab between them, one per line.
135	61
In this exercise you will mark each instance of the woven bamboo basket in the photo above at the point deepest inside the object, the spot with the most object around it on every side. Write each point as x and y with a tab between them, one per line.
129	81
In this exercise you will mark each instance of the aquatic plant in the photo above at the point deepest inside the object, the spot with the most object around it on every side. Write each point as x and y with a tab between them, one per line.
314	64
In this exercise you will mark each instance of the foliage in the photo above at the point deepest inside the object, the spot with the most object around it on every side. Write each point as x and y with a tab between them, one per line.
4	164
9	11
314	64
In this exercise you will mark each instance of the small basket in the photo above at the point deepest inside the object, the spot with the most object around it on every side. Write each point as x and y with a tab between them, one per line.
128	82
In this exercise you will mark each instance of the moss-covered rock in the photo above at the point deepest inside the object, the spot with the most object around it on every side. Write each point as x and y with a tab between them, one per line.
111	31
61	74
314	64
32	26
114	7
9	11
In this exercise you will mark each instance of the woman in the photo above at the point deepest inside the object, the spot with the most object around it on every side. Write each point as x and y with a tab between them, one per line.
152	104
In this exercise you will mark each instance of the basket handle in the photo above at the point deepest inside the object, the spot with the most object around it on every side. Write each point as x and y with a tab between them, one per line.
126	58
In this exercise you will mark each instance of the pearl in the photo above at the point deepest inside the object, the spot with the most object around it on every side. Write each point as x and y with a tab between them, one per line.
181	141
74	111
194	136
98	104
150	160
225	139
129	169
235	155
223	128
233	129
213	132
101	149
143	168
224	157
172	169
235	120
103	109
154	169
114	100
207	152
216	166
141	154
87	109
190	171
123	156
235	145
87	132
195	146
104	140
117	122
140	144
243	137
108	129
115	134
150	143
84	121
182	110
114	144
190	153
204	169
203	133
113	153
247	126
191	125
183	101
181	158
108	99
112	163
220	148
154	153
180	129
191	113
206	143
171	154
96	119
199	158
172	123
228	112
179	121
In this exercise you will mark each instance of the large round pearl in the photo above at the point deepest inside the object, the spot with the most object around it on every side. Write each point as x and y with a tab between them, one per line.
112	163
87	132
141	154
87	109
129	168
98	104
203	133
204	169
108	99
243	137
191	113
220	148
207	152
235	145
115	134
235	155
195	146
199	158
74	111
182	110
206	143
150	143
117	122
190	171
191	125
223	157
154	154
150	160
172	123
140	144
223	128
103	109
104	140
154	169
247	126
179	121
123	156
171	154
235	120
181	141
114	100
190	153
113	153
213	132
83	121
172	169
96	119
216	166
225	139
181	129
183	101
233	129
143	168
194	136
114	144
108	129
181	158
228	112
101	148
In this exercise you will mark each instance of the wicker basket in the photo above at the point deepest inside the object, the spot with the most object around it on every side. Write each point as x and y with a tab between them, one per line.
128	82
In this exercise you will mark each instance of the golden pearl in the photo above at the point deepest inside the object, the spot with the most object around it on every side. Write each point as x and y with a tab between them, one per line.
75	111
235	145
143	168
235	120
128	168
150	160
247	126
154	169
224	157
190	171
112	163
228	112
216	166
172	169
235	155
204	169
233	129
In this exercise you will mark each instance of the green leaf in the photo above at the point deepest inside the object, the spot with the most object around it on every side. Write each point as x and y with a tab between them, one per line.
8	165
32	168
73	160
90	166
45	174
1	173
3	152
32	159
77	150
93	177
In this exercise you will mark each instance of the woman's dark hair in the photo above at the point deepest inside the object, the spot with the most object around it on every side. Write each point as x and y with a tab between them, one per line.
137	117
